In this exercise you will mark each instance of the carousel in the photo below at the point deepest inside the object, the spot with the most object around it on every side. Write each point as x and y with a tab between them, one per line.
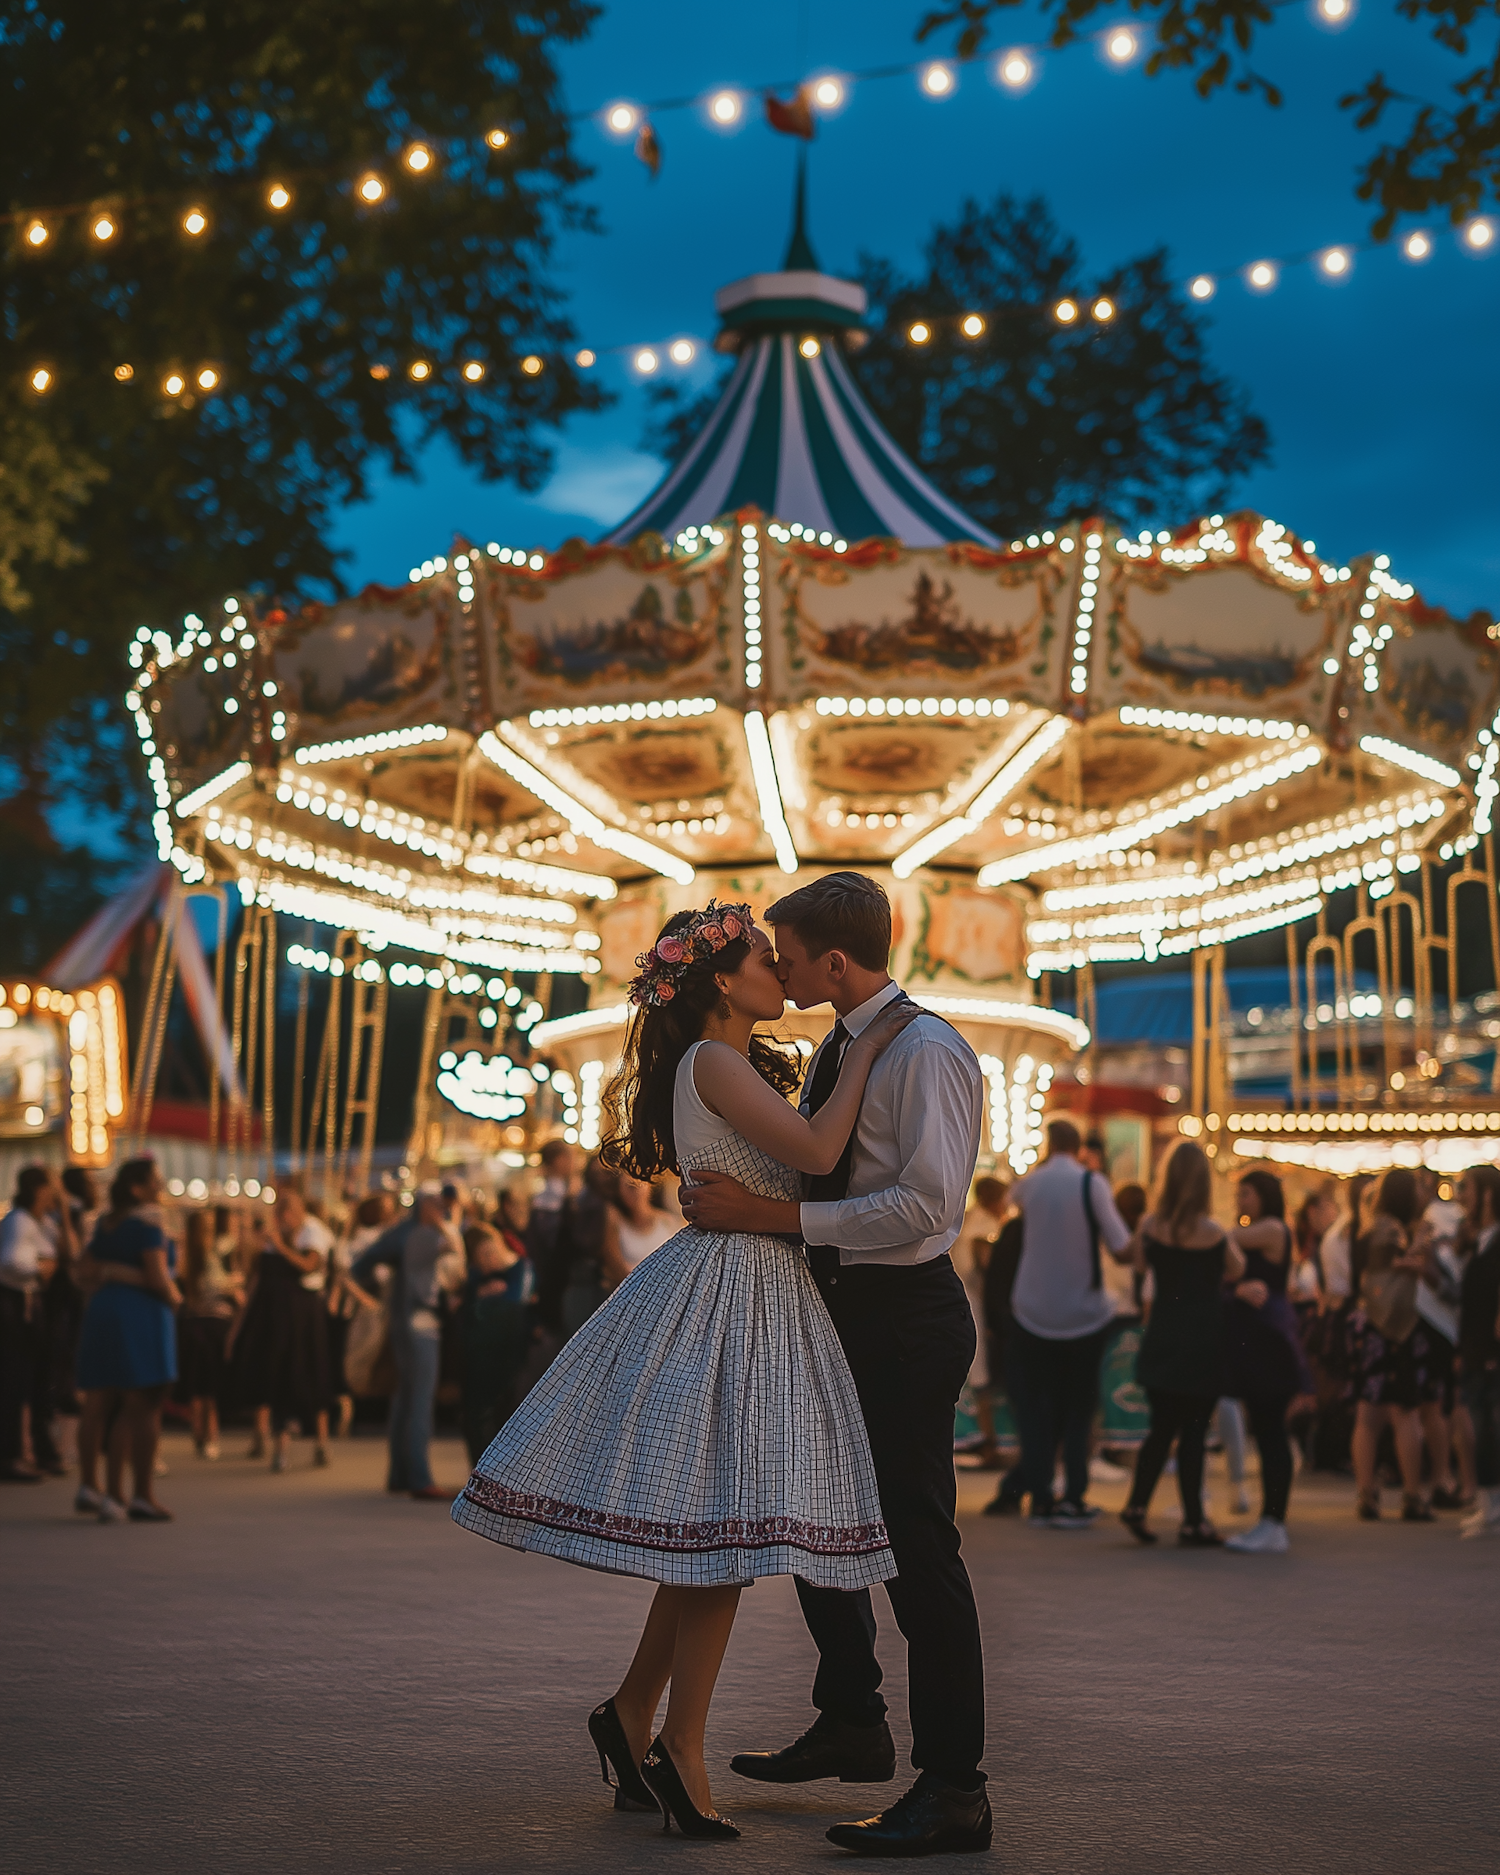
491	785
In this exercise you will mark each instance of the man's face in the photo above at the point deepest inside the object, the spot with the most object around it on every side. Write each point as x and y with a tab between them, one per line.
563	1166
807	981
291	1215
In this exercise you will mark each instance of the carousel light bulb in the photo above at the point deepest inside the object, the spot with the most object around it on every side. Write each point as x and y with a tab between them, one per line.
828	93
103	228
37	234
1417	245
41	380
418	158
1336	12
278	196
1121	45
497	138
124	373
919	334
1335	262
473	371
1014	70
207	378
938	80
585	360
194	222
1262	276
1479	233
1202	287
174	384
1103	310
809	348
532	365
972	326
726	107
682	351
622	119
646	360
1065	311
370	187
419	369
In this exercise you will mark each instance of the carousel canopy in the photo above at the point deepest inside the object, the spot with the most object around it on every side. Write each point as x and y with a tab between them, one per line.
791	434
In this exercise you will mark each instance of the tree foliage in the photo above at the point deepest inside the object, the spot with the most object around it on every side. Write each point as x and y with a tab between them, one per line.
120	504
1449	155
1035	421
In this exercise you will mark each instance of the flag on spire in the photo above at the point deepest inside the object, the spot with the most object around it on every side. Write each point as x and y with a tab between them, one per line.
794	118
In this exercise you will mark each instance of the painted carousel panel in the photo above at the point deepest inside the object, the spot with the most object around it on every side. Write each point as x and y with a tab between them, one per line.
1438	679
382	657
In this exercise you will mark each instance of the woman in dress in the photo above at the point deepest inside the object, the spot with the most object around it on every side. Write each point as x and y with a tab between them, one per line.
127	1346
633	1227
211	1294
1397	1362
701	1429
1181	1359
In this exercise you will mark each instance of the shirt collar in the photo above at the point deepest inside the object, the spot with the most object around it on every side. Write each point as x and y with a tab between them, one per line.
860	1018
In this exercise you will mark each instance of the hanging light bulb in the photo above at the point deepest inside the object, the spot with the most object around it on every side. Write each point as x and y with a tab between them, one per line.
195	222
1335	12
419	370
1121	45
37	233
1262	276
41	380
278	196
208	378
809	348
473	371
1065	311
585	359
1202	286
725	107
1335	263
939	80
418	157
174	384
532	365
124	373
919	333
827	93
971	325
1014	69
370	187
1103	309
646	361
1417	245
497	138
682	351
1479	234
103	228
622	118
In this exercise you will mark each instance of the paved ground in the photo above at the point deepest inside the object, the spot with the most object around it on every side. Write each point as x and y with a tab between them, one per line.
303	1675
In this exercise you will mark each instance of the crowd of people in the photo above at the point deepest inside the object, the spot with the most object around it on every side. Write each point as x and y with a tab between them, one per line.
118	1307
1361	1330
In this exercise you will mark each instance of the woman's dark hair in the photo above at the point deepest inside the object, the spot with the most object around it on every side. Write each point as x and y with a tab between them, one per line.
1131	1202
31	1180
1399	1197
1482	1179
639	1100
1267	1187
125	1183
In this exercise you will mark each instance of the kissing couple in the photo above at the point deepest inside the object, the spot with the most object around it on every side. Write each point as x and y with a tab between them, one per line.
772	1391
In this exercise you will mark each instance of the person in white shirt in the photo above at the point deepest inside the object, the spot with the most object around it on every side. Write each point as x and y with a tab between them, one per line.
1061	1317
1445	1427
29	1242
879	1228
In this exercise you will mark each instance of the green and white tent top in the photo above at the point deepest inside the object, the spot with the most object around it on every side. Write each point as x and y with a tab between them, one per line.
791	434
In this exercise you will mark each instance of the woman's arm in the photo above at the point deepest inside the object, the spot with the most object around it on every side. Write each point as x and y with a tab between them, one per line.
732	1089
158	1278
1136	1248
1234	1260
1268	1235
305	1260
96	1270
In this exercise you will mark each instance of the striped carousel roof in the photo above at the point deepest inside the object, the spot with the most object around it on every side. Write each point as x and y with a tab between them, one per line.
791	434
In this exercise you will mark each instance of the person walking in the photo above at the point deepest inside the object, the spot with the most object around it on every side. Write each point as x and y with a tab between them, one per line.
1181	1362
1061	1316
211	1293
1479	1344
426	1257
879	1226
701	1429
127	1347
31	1234
495	1324
285	1335
1265	1366
970	1254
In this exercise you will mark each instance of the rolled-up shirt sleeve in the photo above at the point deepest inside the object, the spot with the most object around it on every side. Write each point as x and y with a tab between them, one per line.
1112	1227
937	1107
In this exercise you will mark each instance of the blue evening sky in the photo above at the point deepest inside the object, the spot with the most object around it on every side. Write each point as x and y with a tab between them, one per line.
1380	392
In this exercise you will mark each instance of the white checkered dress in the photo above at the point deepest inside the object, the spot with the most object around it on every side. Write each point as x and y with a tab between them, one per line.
701	1429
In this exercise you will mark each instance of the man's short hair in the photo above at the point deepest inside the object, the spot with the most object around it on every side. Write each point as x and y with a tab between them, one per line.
553	1150
1062	1136
990	1190
841	911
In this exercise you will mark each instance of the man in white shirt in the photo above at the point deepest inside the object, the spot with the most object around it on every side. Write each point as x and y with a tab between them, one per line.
1061	1313
879	1228
29	1235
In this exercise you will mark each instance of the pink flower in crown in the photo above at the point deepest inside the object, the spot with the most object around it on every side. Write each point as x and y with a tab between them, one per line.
664	992
671	950
732	927
712	935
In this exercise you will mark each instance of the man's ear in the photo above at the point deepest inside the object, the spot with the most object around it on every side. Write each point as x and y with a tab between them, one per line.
835	963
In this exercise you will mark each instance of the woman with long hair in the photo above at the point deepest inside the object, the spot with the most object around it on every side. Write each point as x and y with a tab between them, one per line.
127	1346
1397	1369
701	1429
211	1293
1181	1360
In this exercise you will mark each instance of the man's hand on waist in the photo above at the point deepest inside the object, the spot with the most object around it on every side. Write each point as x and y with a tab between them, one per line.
715	1201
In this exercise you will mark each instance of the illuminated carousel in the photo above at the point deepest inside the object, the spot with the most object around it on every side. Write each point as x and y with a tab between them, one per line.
797	655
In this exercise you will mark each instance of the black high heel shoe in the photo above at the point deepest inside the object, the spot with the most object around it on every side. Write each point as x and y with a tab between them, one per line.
631	1791
671	1793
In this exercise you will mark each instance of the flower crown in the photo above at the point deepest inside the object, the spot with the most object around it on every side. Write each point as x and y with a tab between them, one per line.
663	966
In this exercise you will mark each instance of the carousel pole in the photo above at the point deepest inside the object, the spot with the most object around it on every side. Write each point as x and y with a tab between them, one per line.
299	1070
215	1095
154	1020
268	1047
432	1021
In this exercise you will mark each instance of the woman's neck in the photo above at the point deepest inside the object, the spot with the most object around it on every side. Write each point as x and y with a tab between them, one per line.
734	1029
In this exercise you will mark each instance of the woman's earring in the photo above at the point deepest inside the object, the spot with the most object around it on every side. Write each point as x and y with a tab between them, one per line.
725	1009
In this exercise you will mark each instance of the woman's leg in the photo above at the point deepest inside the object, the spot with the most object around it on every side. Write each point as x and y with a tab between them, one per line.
1437	1435
91	1436
117	1439
1462	1423
704	1622
1408	1434
1231	1419
1268	1424
641	1689
1367	1423
1196	1414
1166	1416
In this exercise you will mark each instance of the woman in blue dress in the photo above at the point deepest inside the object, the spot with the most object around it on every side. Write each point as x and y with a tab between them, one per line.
127	1346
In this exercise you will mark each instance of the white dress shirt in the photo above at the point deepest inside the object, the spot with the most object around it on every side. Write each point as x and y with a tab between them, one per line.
25	1243
1054	1295
916	1142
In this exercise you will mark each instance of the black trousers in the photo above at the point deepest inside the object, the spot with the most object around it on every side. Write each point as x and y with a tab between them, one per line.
908	1334
24	1378
1267	1416
1054	1389
1183	1417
